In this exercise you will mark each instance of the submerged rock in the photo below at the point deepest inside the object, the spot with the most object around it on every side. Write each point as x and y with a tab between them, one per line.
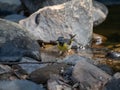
16	42
74	17
19	85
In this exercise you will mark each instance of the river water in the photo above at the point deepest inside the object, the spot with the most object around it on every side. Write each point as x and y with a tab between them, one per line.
111	26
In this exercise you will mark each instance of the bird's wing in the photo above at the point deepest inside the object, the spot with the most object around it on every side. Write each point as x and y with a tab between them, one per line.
68	41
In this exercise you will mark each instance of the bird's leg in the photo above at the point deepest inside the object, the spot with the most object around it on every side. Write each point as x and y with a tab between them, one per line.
69	51
61	53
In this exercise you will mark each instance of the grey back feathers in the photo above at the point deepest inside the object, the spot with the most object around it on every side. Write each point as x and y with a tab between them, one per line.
62	40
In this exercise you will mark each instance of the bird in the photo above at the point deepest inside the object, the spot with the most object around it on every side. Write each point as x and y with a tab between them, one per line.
65	44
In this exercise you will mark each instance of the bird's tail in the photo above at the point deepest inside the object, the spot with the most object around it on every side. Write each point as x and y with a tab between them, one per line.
72	36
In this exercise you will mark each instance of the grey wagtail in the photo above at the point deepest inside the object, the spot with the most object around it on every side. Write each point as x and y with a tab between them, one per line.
65	44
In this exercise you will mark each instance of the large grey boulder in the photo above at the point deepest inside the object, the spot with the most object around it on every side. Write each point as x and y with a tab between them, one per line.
100	11
16	42
74	17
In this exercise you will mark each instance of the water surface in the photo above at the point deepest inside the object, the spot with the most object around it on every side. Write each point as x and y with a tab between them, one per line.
111	26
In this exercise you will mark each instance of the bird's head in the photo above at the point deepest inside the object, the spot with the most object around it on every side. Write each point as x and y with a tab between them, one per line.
61	41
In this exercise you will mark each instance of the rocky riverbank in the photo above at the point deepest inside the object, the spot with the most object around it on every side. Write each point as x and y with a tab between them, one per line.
30	58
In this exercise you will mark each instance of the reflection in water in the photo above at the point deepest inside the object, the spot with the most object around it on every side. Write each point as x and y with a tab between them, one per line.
111	26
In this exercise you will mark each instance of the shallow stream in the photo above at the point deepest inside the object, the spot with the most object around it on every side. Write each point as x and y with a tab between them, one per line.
110	28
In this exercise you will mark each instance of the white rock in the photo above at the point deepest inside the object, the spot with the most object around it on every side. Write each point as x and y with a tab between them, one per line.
74	17
100	11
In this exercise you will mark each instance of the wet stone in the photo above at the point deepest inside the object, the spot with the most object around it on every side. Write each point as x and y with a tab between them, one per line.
19	85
